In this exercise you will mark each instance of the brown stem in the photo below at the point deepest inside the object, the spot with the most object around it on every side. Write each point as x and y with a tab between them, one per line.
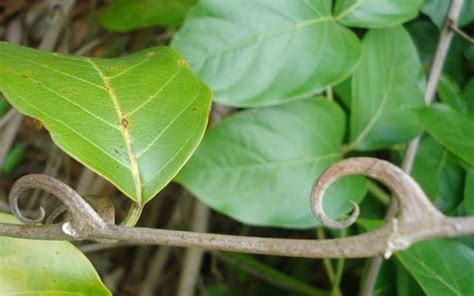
417	221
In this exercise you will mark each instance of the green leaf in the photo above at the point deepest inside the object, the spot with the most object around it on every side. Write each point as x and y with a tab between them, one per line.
3	106
441	267
376	13
439	174
12	160
134	120
437	11
385	284
259	165
256	53
425	35
406	284
450	94
452	129
386	88
344	92
128	15
469	192
468	96
35	267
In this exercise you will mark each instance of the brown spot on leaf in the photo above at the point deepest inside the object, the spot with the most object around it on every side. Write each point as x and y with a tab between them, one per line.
124	122
194	109
150	54
24	76
183	63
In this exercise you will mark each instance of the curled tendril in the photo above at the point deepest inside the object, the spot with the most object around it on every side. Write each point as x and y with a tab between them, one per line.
15	208
413	202
83	216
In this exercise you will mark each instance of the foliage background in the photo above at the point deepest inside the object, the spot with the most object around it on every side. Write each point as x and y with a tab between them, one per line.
305	83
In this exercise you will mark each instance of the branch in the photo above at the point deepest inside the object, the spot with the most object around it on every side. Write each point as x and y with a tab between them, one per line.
418	220
442	49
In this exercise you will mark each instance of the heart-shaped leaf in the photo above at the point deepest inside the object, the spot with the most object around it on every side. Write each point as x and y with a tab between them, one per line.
259	165
266	52
387	87
376	13
35	267
134	120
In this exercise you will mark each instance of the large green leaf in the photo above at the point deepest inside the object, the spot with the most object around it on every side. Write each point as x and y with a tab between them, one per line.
386	88
452	129
134	120
127	15
438	9
255	53
259	166
34	267
376	13
441	267
439	174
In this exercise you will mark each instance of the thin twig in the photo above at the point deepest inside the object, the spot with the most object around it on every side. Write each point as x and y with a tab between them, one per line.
463	34
193	256
8	135
7	117
442	49
159	259
326	262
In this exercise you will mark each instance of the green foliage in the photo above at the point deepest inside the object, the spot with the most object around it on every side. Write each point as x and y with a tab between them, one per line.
257	53
469	192
441	267
45	268
128	15
450	94
259	165
136	120
439	174
451	129
376	13
386	88
436	10
468	96
130	123
12	159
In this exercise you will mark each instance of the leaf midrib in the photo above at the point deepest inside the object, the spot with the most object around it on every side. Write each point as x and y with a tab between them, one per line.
134	169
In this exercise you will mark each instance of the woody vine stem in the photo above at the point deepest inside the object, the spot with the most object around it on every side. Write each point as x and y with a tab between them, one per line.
418	220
